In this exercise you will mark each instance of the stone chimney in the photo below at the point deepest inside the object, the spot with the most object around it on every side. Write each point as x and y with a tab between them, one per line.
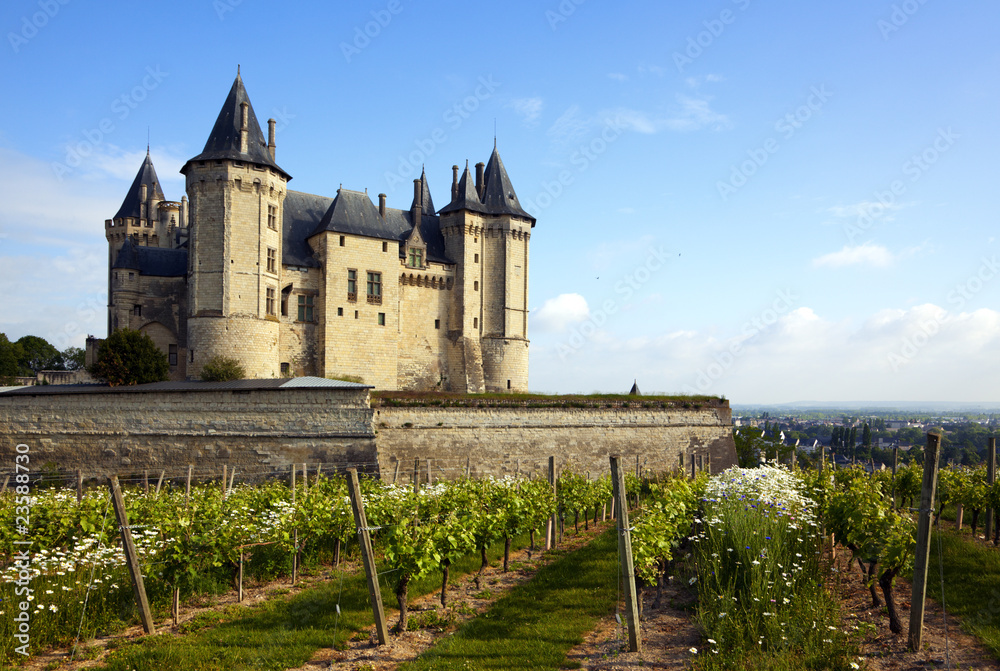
479	179
381	204
270	136
244	126
454	182
418	202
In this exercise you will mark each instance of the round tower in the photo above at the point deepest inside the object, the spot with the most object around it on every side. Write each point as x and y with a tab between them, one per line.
237	194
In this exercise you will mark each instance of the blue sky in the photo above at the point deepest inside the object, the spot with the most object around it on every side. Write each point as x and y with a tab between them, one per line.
771	201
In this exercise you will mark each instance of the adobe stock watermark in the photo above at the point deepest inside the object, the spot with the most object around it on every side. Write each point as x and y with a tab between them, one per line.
959	296
562	13
21	556
454	117
697	44
899	17
363	35
724	360
625	288
913	168
787	126
582	158
121	108
30	25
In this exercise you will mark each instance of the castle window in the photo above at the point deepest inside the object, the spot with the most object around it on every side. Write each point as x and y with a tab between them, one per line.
437	323
305	308
476	259
272	217
381	319
475	322
145	239
341	241
385	246
284	369
269	301
131	276
416	259
340	312
137	310
172	355
375	288
192	356
272	260
508	384
355	314
475	285
155	240
352	285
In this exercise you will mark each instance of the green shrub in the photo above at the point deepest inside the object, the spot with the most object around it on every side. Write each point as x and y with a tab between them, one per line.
222	369
129	357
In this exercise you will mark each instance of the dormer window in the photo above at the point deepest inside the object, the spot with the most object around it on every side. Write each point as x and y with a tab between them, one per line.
415	258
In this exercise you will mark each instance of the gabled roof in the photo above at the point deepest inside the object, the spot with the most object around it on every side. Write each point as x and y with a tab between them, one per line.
224	142
498	192
152	261
132	205
351	212
467	198
428	203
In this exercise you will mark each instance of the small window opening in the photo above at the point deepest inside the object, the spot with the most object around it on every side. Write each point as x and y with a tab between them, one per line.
437	323
341	241
340	312
381	319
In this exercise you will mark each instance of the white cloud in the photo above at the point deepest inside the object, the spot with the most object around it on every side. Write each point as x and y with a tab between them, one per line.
529	109
922	353
618	76
558	313
688	114
571	126
868	254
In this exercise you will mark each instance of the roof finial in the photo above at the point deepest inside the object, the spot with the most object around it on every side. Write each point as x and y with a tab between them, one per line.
147	140
494	132
237	69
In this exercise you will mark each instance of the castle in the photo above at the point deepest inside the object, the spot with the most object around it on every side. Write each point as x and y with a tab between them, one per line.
293	284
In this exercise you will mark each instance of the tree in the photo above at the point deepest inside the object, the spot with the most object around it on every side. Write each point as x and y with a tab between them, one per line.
129	357
37	354
10	354
73	358
222	369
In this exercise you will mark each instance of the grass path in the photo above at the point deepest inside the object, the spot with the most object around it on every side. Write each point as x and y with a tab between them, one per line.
972	584
536	623
278	634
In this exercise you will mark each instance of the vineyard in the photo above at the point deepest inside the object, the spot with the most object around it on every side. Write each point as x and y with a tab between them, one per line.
753	543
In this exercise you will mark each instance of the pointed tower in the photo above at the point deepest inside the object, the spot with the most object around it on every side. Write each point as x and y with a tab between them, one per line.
504	330
486	233
237	194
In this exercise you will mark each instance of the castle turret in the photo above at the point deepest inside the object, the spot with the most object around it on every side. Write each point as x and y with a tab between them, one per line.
504	331
237	194
486	233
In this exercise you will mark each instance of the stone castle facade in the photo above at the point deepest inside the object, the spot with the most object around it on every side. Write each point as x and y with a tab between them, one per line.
295	284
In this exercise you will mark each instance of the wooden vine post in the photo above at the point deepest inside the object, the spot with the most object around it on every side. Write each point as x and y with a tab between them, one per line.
550	531
625	556
295	535
991	476
79	485
922	558
131	557
367	555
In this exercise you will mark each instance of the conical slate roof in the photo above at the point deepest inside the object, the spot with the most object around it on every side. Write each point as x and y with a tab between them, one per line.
132	205
224	142
467	198
498	192
635	389
428	207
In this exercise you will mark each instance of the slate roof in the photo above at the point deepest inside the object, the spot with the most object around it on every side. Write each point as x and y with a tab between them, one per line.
302	214
428	202
354	213
498	192
224	142
154	261
635	389
467	198
132	205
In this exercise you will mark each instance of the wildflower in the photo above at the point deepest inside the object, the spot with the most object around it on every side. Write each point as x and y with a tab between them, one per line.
693	651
